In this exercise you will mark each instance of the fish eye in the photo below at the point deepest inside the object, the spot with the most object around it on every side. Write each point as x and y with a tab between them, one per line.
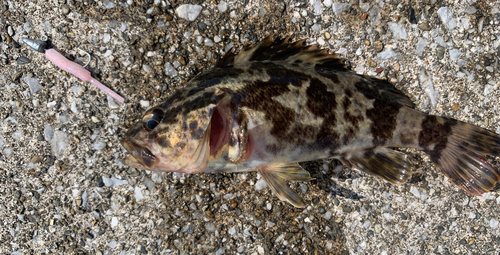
152	119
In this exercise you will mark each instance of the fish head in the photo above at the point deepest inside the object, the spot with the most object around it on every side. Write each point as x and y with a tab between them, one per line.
171	138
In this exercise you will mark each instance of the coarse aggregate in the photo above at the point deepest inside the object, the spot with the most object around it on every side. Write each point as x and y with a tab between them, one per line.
65	190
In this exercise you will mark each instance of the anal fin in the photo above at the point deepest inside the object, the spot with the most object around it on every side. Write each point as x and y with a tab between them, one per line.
385	163
276	176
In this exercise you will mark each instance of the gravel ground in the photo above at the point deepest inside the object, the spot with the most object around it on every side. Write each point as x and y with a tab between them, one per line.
64	189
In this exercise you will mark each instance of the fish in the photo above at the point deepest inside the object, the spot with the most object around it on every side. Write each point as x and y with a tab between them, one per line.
277	103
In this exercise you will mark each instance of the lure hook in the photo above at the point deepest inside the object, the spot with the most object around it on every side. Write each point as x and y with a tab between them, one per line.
88	55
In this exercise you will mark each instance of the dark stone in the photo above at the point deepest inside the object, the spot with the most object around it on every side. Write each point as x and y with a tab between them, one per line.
322	210
202	26
411	16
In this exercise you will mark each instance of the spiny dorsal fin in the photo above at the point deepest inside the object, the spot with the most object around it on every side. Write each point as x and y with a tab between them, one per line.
275	49
383	90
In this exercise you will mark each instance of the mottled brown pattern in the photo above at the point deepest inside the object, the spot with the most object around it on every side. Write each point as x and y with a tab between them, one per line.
383	116
320	101
348	136
164	143
193	124
354	120
213	77
328	73
258	96
170	115
202	101
406	139
280	75
435	134
384	112
373	88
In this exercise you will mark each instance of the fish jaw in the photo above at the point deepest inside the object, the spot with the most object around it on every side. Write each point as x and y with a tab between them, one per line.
141	157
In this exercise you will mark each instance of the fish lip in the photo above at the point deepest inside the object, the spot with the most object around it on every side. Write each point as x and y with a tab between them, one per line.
140	157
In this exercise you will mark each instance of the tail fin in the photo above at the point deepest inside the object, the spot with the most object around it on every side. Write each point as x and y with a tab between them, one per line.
458	149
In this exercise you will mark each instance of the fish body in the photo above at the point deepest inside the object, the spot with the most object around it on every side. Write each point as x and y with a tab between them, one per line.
277	103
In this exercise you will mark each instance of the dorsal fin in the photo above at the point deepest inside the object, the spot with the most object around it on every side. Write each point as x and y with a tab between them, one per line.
275	49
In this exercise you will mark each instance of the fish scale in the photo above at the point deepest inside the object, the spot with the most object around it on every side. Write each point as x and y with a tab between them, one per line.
278	103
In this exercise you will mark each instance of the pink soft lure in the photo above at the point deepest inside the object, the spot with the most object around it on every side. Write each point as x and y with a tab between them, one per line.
79	71
69	66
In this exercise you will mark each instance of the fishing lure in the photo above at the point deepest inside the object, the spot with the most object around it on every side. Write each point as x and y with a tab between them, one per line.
69	66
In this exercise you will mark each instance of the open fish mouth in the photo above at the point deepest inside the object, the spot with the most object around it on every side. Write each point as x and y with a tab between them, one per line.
140	157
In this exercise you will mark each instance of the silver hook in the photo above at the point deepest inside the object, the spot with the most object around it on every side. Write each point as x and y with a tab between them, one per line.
88	55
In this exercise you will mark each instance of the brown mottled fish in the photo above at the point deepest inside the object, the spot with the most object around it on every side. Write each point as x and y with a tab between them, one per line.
277	103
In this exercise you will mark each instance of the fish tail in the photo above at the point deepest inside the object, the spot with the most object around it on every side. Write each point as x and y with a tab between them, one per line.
458	149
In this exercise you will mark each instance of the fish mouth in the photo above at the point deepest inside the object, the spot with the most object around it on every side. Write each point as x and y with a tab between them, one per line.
140	157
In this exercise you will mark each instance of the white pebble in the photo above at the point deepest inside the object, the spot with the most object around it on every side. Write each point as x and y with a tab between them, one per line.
108	53
415	191
454	54
108	4
110	182
114	222
317	8
387	54
144	104
222	6
106	37
260	184
494	223
339	8
262	12
112	244
59	143
321	41
328	215
208	42
112	104
138	193
188	11
421	44
170	70
447	17
398	31
98	145
316	27
33	84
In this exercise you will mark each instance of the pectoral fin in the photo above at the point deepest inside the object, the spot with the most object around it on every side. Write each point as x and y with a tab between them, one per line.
275	176
387	164
198	162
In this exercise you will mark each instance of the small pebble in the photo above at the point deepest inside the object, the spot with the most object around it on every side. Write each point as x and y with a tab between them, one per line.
65	9
321	210
23	60
378	46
